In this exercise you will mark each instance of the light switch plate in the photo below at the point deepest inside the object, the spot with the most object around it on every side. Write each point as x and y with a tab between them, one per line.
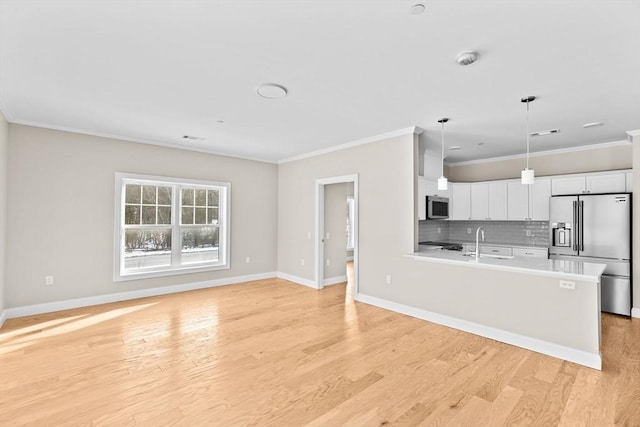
567	284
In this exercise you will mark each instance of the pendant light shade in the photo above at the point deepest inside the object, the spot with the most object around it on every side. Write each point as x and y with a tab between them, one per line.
527	176
442	181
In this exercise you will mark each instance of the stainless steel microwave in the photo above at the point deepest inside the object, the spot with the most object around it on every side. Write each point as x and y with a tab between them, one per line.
437	207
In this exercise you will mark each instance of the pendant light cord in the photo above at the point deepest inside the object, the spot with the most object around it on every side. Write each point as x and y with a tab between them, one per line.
528	136
442	165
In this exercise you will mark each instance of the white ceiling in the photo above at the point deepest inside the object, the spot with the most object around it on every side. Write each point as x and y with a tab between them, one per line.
154	71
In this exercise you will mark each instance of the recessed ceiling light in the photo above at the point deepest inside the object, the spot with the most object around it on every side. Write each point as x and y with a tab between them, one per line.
592	125
220	122
417	9
480	143
545	132
467	58
193	138
272	91
455	147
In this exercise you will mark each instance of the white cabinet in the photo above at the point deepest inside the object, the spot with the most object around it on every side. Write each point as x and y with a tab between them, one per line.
614	183
530	253
496	250
568	185
517	201
479	201
629	182
489	200
460	206
539	194
596	183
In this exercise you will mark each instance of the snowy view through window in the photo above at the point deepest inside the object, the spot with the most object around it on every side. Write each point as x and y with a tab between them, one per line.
170	225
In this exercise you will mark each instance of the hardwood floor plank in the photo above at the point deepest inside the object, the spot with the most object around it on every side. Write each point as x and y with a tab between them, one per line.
275	353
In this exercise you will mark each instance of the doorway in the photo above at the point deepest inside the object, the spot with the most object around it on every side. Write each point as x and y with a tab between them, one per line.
348	237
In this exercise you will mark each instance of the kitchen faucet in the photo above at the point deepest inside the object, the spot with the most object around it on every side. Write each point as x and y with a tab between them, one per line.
479	232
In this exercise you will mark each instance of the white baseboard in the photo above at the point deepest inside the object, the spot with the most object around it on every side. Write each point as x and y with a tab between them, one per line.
3	317
635	312
296	279
592	360
29	310
335	280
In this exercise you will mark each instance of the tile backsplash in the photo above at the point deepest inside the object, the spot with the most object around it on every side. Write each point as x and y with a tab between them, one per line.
499	232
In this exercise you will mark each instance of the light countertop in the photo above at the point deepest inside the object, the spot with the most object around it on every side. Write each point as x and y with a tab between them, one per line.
564	269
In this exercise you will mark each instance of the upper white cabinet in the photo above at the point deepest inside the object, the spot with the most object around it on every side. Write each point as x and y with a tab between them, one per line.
460	206
529	202
597	183
489	200
629	182
517	201
539	194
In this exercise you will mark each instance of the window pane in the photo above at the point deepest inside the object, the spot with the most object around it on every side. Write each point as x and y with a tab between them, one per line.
201	197
164	195
149	195
201	216
200	244
212	199
148	214
212	216
132	193
164	215
187	215
147	248
131	214
187	196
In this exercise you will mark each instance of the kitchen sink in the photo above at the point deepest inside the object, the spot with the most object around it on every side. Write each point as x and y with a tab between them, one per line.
473	254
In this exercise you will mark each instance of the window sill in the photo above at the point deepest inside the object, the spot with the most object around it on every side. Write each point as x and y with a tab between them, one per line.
169	272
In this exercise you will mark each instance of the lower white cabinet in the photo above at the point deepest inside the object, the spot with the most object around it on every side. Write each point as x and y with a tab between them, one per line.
496	250
531	253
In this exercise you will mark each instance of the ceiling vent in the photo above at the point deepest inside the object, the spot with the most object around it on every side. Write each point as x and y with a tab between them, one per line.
193	138
545	132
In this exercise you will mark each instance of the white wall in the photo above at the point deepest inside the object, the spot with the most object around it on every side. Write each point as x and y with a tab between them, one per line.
582	161
61	212
4	150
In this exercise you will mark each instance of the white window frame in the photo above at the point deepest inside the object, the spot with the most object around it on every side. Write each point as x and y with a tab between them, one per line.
224	219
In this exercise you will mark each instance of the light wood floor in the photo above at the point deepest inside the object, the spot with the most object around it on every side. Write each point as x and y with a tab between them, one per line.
274	353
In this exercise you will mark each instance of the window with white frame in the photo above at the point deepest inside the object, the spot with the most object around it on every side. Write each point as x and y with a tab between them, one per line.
167	226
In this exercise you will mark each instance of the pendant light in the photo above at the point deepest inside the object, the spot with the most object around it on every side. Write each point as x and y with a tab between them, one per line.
527	174
442	181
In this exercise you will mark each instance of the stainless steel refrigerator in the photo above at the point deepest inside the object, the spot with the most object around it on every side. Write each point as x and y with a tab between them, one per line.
596	228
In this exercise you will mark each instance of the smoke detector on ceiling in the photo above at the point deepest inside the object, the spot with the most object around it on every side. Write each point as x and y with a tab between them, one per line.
468	58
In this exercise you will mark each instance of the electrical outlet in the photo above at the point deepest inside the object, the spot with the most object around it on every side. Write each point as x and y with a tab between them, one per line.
247	259
302	261
308	235
528	233
468	231
439	230
388	279
328	262
328	235
567	284
48	280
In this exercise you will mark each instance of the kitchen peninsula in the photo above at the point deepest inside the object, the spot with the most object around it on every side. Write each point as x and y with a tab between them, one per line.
551	306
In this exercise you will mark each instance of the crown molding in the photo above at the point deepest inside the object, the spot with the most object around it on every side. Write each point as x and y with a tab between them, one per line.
632	133
344	146
540	153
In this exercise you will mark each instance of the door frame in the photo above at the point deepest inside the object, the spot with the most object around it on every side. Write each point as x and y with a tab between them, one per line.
319	232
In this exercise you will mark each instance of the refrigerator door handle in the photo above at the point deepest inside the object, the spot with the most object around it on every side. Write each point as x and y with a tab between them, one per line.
575	226
581	210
